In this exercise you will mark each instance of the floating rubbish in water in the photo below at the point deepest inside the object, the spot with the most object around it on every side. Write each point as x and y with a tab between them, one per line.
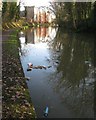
87	62
29	69
46	111
30	65
57	62
49	66
39	67
27	78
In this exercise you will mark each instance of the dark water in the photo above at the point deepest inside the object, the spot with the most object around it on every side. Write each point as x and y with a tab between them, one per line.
67	86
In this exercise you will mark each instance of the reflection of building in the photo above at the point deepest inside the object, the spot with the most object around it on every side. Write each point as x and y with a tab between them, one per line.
43	32
40	34
30	36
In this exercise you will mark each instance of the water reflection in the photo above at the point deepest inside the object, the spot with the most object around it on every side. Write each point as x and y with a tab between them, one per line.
75	71
71	56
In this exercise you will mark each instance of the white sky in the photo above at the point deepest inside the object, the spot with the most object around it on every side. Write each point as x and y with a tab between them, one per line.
36	3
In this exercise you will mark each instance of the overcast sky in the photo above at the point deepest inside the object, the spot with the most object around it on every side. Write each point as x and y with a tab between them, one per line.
36	3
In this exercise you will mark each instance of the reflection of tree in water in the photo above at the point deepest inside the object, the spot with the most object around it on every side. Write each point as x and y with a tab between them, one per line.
74	76
23	50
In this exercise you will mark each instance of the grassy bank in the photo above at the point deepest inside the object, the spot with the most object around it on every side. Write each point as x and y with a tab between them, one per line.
16	101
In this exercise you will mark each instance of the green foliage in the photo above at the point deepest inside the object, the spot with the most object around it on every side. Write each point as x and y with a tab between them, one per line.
77	15
10	11
4	7
94	13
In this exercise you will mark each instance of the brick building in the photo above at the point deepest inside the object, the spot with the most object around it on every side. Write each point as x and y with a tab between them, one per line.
37	14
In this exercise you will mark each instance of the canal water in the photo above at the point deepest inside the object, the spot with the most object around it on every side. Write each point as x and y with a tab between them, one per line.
62	77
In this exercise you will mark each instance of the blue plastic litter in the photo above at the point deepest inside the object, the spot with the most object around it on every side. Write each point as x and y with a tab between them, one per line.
46	111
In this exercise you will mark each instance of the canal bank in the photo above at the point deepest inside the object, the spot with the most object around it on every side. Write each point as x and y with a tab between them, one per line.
16	101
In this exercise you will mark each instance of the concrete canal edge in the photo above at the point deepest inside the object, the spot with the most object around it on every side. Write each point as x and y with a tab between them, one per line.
16	100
